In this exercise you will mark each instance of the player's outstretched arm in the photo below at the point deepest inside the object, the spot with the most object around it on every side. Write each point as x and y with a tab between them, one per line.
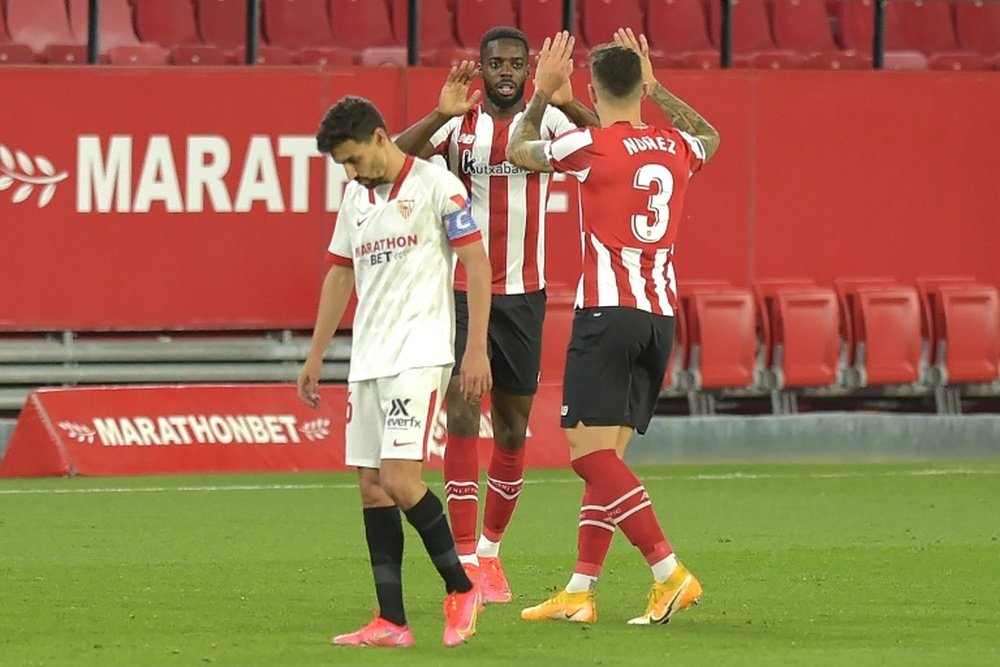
680	114
555	64
454	100
475	376
336	291
564	100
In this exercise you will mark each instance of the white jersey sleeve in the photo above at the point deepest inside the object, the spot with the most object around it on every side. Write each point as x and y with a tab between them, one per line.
456	210
340	242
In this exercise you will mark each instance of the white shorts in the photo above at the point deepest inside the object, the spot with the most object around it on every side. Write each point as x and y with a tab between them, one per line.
393	417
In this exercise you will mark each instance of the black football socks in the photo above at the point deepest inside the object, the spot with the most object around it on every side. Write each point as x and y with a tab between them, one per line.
384	533
427	516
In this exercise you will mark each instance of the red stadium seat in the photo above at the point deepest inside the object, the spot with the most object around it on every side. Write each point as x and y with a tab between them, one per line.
12	53
977	27
115	27
600	18
804	27
857	29
222	23
928	27
362	25
679	29
474	17
539	19
43	26
302	27
805	338
722	344
167	22
138	54
438	45
764	293
753	45
886	335
172	25
929	290
847	292
968	326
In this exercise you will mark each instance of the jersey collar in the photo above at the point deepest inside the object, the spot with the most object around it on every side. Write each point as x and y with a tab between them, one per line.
400	177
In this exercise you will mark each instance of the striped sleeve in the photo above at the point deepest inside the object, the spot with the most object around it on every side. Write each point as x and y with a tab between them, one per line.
445	135
572	153
696	151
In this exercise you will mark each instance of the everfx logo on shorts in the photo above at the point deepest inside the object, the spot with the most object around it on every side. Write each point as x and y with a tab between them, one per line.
399	415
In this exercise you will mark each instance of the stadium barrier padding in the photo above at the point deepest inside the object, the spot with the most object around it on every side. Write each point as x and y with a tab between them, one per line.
178	198
817	438
104	431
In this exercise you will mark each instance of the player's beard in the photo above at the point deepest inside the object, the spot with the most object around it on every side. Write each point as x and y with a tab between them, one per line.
505	102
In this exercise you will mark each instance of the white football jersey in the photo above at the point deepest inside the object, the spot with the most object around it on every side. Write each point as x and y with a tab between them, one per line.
398	238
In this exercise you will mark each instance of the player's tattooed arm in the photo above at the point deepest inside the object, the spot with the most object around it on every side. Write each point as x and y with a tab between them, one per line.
685	118
680	114
552	73
526	150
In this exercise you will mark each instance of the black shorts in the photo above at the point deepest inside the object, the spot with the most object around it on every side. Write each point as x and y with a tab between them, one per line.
514	342
615	364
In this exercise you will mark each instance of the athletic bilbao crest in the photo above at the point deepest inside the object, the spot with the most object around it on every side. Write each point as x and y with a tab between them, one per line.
405	207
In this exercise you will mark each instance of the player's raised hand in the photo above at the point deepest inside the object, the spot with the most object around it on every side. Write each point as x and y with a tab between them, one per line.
455	99
627	38
475	378
555	64
308	382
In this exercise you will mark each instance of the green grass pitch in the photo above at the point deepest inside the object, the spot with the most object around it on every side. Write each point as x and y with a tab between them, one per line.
802	565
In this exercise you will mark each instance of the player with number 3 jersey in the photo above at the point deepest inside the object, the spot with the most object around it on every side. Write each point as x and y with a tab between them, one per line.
633	178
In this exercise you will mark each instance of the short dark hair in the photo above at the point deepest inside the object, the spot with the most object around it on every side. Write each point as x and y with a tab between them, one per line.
353	118
617	69
502	32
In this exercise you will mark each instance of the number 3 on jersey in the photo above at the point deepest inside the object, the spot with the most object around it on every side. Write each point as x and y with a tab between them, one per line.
652	230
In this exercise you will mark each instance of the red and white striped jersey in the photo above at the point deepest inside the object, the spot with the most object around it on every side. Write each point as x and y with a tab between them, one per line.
508	203
632	186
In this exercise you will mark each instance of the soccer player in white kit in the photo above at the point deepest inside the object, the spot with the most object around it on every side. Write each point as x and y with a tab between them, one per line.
401	221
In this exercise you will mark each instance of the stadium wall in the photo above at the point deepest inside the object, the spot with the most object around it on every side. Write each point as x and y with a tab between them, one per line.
176	198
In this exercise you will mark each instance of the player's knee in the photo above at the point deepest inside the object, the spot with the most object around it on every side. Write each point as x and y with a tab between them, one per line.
510	436
463	415
372	493
402	484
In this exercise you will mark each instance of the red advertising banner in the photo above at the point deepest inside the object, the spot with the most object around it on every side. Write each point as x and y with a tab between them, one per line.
187	198
102	431
172	198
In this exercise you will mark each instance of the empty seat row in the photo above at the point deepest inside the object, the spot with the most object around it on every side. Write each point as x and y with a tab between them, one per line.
782	336
682	33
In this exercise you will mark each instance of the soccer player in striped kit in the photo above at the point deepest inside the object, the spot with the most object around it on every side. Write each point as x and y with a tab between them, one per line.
508	204
633	178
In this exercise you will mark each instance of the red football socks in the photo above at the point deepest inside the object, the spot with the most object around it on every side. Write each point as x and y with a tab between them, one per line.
504	479
594	536
461	487
619	492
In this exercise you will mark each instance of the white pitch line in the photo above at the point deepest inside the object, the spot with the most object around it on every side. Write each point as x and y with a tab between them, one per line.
719	477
